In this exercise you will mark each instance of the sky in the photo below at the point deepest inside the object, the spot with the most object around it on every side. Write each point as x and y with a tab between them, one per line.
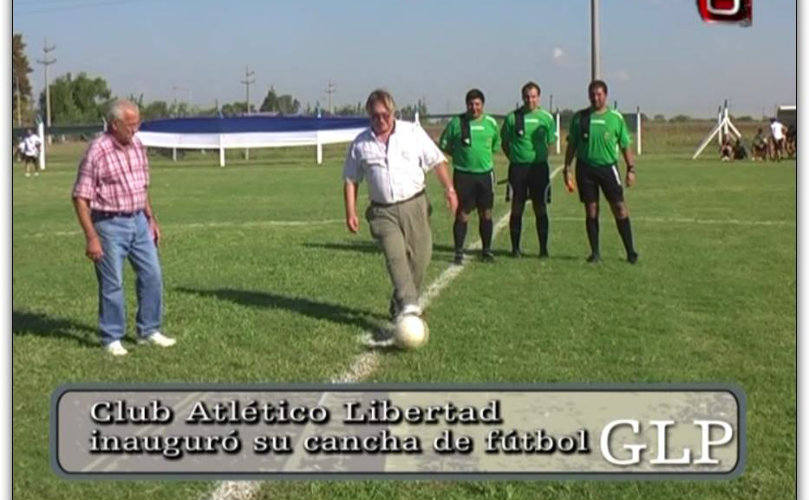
656	54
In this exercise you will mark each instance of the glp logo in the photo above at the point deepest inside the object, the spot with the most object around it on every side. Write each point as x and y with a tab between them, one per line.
726	11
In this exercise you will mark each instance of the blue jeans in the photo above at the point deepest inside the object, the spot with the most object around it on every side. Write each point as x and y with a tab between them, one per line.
127	237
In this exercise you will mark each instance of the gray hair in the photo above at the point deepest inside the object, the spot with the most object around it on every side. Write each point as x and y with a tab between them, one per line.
383	96
118	107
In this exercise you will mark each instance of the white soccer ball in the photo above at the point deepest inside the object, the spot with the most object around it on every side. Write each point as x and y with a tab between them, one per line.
411	332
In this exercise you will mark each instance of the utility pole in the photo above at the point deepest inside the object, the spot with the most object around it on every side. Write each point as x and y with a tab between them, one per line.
594	41
329	91
248	80
47	62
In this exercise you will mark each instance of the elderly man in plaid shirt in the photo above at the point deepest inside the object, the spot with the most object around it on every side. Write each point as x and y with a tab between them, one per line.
112	204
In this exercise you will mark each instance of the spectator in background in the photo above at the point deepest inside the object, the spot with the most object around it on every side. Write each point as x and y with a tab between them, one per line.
759	146
726	149
778	135
30	148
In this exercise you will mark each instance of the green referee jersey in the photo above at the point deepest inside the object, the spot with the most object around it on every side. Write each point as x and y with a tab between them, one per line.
539	132
607	135
475	157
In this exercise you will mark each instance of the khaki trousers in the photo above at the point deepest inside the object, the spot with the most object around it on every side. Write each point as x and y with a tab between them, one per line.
403	232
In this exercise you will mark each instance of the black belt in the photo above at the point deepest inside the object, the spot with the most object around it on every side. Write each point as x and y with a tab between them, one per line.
98	214
377	204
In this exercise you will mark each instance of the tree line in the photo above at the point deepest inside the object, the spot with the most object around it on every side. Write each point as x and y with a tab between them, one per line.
81	98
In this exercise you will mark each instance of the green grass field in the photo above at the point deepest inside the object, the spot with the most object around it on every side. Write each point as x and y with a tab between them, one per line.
253	296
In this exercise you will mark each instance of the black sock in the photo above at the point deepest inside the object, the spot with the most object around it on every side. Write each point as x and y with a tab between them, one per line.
515	228
486	227
542	232
459	233
592	234
625	230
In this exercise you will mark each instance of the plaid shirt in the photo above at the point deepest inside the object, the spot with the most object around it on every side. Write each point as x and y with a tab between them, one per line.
113	177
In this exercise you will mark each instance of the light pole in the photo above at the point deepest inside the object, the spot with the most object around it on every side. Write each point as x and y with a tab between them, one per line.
595	69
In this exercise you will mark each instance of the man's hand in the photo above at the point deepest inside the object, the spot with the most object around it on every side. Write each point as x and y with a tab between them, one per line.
155	229
94	251
353	223
570	185
452	200
630	177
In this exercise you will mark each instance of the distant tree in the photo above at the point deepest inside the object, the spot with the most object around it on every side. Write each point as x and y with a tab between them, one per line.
410	110
565	116
744	118
659	118
154	110
236	108
680	119
20	68
77	100
283	104
346	110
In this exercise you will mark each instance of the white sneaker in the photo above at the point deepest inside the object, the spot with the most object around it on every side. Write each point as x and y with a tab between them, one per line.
27	174
116	349
411	310
159	339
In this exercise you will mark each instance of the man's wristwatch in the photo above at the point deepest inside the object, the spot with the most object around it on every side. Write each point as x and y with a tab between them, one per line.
630	168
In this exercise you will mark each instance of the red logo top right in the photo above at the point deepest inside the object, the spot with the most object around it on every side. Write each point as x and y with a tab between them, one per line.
726	11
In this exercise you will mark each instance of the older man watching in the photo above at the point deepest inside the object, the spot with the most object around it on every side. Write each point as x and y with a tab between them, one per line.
112	204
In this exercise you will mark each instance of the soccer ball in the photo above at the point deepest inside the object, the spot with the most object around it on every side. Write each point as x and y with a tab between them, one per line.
411	332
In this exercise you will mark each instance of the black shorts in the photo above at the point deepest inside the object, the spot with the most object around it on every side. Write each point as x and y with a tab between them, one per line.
30	159
590	179
474	190
530	181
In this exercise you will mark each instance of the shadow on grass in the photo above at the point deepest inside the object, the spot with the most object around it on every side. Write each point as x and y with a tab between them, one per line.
42	325
335	313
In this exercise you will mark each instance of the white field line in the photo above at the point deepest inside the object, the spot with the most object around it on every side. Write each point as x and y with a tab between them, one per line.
692	220
205	225
304	223
363	364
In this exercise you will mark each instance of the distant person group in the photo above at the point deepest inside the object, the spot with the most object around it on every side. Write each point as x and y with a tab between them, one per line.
111	199
392	156
780	142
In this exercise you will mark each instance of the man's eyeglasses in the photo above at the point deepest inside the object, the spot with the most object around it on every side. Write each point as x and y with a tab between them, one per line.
380	116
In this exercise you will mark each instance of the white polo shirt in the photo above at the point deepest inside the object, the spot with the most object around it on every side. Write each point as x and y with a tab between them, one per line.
777	130
396	172
30	145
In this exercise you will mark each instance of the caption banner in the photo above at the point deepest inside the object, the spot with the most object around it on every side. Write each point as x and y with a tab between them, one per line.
387	431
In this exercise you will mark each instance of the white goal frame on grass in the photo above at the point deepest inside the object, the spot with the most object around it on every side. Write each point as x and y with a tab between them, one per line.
723	128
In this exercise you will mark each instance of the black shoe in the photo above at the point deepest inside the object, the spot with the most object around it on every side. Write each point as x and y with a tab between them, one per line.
393	309
487	256
516	253
594	258
458	259
544	255
632	257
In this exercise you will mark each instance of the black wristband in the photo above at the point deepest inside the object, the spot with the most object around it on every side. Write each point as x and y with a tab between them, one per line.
630	168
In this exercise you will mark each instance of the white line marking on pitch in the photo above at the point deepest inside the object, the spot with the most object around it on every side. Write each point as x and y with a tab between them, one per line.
304	223
692	220
204	225
364	364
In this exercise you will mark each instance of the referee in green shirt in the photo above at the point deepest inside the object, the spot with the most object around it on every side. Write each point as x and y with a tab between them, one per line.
526	135
596	135
470	139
